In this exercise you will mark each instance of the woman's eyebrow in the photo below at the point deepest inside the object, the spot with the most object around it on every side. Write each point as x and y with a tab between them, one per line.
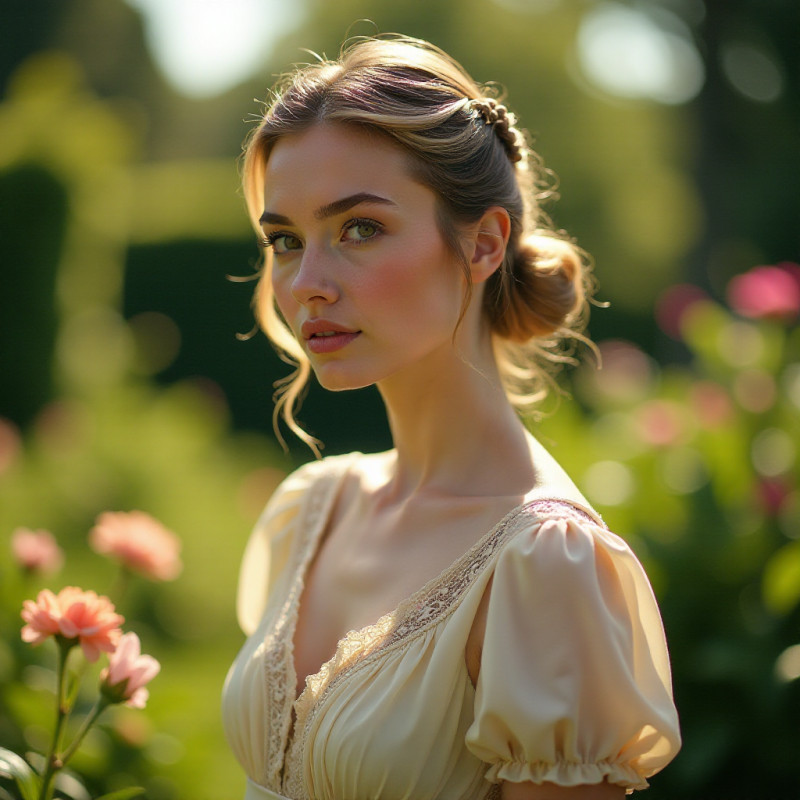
274	219
346	203
330	209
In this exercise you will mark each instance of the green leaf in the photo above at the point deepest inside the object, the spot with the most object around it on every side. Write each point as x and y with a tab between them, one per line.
124	794
13	766
69	785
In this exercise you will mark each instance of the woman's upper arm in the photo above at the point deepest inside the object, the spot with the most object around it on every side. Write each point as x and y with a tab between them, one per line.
550	791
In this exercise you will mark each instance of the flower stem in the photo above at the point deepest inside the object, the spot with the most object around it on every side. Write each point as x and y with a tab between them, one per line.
120	584
98	708
53	763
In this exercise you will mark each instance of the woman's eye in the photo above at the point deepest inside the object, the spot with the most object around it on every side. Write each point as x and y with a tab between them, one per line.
282	243
360	230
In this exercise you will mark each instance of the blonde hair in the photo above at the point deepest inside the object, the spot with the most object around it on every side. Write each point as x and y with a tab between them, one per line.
466	147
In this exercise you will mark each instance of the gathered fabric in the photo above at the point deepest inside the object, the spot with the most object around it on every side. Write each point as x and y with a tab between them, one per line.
574	685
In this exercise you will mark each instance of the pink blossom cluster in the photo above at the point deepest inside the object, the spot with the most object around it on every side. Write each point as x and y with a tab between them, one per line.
134	539
77	617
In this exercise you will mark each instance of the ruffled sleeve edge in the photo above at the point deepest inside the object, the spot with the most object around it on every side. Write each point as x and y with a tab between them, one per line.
566	773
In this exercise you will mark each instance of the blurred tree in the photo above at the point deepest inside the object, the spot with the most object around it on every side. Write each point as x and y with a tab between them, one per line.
748	138
31	199
27	27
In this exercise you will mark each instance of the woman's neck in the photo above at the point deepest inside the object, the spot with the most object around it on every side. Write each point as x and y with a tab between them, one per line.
455	432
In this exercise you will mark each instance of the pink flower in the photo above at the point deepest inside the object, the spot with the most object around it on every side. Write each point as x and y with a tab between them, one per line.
80	617
769	291
36	551
139	542
127	673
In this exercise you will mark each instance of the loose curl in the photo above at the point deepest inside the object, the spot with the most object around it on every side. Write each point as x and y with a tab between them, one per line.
466	147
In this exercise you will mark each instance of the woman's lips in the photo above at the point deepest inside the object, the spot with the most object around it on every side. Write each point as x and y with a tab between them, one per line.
324	336
330	341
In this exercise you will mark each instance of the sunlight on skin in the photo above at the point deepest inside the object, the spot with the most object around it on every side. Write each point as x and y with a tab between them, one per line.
549	791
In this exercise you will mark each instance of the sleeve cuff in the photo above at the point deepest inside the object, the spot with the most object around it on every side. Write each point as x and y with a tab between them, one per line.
567	773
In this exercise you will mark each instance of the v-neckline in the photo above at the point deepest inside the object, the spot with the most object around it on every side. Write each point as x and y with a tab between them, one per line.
314	542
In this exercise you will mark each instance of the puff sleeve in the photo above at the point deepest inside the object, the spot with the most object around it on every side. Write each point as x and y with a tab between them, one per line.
575	683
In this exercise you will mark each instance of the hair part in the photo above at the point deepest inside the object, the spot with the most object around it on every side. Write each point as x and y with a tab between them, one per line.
467	148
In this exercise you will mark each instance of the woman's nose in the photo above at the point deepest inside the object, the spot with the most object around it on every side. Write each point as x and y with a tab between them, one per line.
313	281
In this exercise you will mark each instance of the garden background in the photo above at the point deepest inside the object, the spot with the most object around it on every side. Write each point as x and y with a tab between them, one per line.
673	128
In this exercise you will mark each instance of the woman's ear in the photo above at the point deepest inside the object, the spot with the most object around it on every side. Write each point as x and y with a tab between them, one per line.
489	238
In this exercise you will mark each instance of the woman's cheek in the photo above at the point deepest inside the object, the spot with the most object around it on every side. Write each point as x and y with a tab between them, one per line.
282	294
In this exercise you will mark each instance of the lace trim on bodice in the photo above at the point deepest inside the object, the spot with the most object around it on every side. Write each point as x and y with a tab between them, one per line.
290	721
279	643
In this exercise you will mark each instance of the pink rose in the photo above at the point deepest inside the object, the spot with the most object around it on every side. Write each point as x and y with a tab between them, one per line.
127	673
139	542
75	615
36	551
769	291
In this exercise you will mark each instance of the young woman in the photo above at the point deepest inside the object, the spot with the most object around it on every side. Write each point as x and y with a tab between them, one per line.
449	619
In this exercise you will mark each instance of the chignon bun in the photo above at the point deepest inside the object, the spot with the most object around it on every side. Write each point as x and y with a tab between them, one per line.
541	292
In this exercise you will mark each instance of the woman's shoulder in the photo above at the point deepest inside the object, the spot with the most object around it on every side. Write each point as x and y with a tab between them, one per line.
560	541
567	537
318	469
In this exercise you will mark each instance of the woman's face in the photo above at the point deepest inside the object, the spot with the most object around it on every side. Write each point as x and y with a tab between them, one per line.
360	271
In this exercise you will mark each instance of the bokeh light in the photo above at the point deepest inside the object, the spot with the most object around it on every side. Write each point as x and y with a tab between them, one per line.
631	52
205	47
683	470
609	483
673	304
625	375
773	452
787	667
752	71
755	390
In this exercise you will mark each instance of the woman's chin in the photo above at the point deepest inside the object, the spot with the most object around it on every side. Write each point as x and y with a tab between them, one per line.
337	380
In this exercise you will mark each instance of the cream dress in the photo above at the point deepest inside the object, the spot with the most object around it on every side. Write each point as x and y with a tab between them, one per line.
574	685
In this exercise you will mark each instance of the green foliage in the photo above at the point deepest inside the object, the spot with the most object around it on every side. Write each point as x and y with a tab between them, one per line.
14	767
